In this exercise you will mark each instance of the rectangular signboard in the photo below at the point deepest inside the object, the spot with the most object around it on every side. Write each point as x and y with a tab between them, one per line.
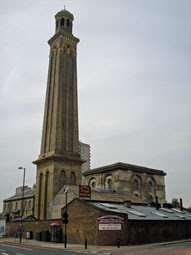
84	191
2	227
109	226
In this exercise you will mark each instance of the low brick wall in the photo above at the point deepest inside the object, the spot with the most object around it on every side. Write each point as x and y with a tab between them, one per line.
34	226
140	232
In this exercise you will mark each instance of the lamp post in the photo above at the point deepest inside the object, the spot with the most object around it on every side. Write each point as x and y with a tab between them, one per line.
22	205
65	216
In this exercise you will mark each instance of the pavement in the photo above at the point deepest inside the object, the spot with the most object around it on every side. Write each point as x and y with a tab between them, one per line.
78	247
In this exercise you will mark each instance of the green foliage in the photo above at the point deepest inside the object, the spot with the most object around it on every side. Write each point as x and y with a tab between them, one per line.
175	202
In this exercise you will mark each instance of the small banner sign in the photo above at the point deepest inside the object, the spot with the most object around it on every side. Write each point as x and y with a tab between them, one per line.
84	191
110	219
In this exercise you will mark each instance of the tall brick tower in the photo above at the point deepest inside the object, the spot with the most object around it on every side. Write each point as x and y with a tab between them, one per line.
59	162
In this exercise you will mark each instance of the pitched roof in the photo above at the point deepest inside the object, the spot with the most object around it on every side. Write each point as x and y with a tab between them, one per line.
27	194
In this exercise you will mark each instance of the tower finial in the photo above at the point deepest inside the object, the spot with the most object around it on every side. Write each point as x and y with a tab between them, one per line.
64	7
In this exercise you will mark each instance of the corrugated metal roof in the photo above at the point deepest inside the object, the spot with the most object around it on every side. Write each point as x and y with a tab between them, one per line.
137	212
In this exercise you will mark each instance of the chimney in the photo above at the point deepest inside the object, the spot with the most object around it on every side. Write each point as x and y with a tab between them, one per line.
127	203
157	203
181	204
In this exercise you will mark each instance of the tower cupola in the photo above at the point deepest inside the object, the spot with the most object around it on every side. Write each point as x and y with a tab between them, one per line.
64	20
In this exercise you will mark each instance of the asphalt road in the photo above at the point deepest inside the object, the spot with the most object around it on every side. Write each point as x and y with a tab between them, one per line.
7	249
176	249
170	249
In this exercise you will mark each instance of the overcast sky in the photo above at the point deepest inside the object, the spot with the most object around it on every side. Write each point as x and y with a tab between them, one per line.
133	85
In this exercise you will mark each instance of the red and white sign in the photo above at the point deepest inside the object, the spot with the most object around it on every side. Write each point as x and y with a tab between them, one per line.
110	222
110	219
84	191
109	226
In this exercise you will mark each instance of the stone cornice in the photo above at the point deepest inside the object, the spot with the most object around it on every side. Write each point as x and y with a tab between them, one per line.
61	157
64	35
124	166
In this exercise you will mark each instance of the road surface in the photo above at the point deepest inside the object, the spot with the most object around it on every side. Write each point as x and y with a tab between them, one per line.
170	249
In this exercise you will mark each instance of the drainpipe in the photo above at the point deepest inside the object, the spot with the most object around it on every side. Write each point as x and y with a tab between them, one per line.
181	204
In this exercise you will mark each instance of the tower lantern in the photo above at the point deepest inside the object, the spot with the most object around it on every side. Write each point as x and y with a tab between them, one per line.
64	21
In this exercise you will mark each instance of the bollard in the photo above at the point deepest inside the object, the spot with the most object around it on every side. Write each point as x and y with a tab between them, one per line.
118	243
86	243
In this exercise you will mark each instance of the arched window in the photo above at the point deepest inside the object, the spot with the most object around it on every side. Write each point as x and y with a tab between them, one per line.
73	178
92	182
135	185
46	195
25	205
40	193
150	186
62	21
150	199
62	178
68	23
109	182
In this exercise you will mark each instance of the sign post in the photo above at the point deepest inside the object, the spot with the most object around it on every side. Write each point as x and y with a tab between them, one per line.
2	227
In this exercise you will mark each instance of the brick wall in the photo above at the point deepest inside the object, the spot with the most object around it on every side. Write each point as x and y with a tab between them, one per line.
35	227
83	224
157	231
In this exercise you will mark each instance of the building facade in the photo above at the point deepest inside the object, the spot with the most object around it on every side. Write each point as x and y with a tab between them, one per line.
12	206
143	182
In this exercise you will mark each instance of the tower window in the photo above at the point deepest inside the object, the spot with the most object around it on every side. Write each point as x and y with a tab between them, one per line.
73	178
62	21
62	178
68	23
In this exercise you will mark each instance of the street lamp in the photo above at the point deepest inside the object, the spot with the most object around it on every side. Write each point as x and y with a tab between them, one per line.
22	205
65	218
